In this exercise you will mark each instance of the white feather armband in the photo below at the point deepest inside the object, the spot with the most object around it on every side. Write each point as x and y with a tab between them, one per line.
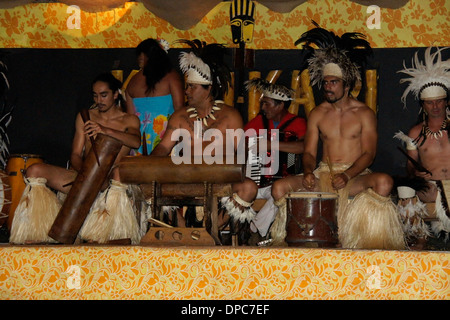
410	144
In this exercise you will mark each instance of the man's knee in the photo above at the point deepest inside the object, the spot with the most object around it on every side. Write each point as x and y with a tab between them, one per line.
279	189
383	184
34	171
247	189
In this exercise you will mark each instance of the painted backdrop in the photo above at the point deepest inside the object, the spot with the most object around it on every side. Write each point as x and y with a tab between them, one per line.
55	25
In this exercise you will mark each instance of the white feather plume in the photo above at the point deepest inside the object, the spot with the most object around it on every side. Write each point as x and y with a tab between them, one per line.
433	69
188	60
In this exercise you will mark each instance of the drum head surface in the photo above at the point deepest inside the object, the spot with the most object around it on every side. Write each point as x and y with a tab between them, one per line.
324	195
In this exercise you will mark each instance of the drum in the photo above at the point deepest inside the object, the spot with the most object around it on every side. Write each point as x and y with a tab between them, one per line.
5	197
16	167
311	219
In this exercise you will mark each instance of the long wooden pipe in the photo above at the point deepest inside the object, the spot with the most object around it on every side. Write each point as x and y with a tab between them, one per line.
85	116
85	189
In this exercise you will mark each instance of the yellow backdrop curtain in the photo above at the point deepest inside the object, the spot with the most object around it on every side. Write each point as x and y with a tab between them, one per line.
55	25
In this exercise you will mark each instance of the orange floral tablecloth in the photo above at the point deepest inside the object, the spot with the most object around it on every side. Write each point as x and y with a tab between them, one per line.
135	272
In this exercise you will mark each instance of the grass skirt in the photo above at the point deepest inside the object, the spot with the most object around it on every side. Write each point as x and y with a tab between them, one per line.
278	228
111	217
371	221
35	213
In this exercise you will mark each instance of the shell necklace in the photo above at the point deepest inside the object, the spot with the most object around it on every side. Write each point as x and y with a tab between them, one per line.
438	134
205	118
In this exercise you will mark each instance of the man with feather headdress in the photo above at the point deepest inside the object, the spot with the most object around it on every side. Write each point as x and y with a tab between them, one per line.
348	131
427	142
207	81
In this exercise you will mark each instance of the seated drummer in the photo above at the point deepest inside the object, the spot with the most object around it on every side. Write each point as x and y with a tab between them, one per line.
274	114
107	117
207	80
428	141
348	131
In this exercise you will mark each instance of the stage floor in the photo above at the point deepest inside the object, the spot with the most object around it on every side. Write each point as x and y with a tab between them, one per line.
88	272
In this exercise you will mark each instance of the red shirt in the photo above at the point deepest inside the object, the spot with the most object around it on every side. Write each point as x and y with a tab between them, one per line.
297	126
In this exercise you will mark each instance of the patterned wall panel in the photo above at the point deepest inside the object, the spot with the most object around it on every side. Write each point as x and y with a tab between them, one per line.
55	25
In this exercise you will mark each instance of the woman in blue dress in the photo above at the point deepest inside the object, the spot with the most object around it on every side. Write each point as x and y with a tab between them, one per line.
154	92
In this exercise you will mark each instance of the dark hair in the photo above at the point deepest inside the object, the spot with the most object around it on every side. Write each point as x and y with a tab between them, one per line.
114	84
351	85
158	64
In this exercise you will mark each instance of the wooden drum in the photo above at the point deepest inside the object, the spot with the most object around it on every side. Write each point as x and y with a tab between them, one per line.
16	168
311	219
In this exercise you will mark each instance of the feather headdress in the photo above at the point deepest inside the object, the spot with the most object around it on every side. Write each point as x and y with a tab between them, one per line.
196	70
204	64
271	90
332	62
340	56
428	80
165	45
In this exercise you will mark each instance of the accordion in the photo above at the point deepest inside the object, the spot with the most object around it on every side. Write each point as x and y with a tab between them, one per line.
259	166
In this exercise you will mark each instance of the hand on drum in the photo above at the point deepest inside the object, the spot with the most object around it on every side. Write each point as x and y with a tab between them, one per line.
309	181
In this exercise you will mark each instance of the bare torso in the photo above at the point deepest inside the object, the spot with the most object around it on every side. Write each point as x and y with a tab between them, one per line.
225	118
434	154
341	131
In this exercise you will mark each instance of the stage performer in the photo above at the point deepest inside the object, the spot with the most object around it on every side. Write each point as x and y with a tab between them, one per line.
427	142
39	205
208	78
154	92
347	129
274	105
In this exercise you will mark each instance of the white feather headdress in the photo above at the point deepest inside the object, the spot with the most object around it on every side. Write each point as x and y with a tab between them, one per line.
428	80
271	90
195	69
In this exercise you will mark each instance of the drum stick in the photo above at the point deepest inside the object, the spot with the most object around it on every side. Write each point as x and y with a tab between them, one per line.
416	165
330	167
85	116
159	223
